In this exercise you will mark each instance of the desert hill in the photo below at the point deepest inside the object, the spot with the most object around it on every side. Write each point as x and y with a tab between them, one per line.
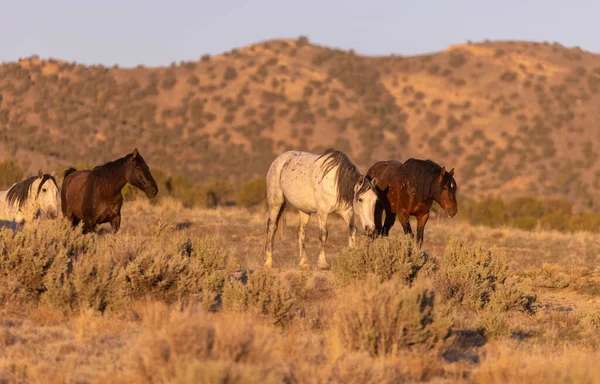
510	117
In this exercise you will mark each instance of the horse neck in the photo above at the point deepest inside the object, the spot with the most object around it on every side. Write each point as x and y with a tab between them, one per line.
31	206
111	177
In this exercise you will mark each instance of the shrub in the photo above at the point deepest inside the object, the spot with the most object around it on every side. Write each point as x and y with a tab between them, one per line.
386	318
457	59
264	292
52	263
169	81
391	257
253	192
193	80
508	76
470	275
230	74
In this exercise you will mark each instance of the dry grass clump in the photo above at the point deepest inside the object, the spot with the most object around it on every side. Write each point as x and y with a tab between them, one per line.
390	257
385	318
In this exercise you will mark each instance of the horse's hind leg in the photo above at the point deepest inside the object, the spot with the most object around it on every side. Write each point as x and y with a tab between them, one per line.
302	223
276	209
322	263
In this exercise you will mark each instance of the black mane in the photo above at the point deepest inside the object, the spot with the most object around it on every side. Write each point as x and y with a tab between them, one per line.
19	193
112	168
422	174
346	177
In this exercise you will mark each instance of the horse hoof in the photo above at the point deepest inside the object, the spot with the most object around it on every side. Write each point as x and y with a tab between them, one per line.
324	266
305	267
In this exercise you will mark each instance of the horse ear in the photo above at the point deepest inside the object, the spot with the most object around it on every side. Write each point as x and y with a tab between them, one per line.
359	184
40	173
135	153
53	173
443	171
374	182
452	172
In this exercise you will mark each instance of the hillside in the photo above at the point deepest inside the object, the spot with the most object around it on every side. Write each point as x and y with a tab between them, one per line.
510	117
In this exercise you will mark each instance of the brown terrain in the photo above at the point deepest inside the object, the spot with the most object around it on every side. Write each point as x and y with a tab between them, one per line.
512	117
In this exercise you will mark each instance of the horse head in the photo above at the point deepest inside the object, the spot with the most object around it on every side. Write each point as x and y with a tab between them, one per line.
46	194
365	198
444	192
138	174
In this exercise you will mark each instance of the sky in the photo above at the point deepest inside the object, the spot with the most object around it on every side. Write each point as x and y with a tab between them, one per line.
157	33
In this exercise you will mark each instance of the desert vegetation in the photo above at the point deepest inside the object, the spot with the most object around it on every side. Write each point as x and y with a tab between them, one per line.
180	295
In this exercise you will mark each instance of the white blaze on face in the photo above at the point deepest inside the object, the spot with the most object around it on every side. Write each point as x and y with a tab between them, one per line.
364	207
48	199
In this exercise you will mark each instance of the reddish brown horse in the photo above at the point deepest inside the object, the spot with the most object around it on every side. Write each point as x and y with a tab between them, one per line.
409	189
95	196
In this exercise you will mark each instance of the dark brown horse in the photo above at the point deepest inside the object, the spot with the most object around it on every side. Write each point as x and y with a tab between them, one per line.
95	196
409	189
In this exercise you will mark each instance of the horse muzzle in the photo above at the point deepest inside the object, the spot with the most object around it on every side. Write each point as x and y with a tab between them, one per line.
369	231
452	212
151	192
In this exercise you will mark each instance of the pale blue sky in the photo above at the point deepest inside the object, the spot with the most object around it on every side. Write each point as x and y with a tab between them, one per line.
158	32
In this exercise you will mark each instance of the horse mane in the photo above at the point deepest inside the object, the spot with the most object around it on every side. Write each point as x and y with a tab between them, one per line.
19	193
69	171
110	169
346	177
424	173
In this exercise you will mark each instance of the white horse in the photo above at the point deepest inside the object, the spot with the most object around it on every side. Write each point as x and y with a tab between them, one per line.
324	184
24	200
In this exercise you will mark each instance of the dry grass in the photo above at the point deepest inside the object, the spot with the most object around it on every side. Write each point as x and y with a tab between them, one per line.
180	296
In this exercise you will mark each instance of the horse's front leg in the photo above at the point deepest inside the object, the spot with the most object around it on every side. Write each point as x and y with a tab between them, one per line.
89	226
421	221
403	217
322	263
348	217
115	223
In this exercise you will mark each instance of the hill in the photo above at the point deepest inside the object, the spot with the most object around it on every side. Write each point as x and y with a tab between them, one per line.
511	117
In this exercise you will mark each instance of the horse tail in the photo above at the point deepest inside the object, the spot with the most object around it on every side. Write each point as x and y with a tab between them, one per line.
69	171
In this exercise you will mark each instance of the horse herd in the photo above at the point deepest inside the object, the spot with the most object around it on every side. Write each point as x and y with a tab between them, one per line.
321	184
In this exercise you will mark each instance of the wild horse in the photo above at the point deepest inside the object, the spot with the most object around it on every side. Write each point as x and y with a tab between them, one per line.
25	199
95	196
408	189
324	184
